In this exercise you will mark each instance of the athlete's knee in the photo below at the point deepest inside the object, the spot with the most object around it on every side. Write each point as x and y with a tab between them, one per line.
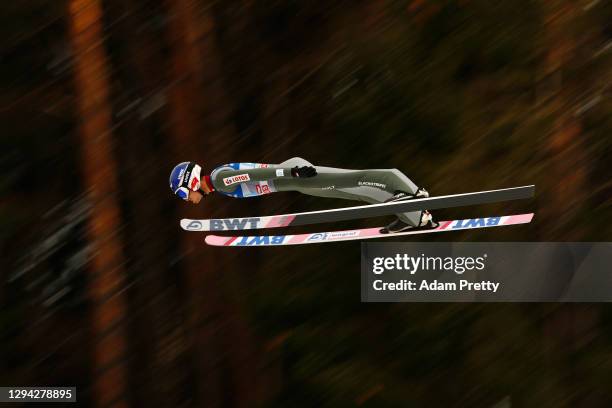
391	174
397	180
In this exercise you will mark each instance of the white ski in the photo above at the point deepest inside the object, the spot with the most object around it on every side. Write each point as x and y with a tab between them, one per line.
366	233
357	212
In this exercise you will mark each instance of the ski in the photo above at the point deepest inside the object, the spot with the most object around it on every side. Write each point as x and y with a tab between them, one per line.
357	212
365	233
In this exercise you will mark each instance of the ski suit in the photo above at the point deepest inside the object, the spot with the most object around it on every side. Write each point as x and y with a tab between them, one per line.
243	180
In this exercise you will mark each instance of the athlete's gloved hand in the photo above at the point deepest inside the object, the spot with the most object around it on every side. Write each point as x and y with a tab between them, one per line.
304	171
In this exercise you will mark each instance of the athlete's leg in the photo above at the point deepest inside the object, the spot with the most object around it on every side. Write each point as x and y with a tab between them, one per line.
378	185
371	186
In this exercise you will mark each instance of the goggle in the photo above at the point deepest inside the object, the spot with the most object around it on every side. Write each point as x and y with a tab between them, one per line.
190	178
182	192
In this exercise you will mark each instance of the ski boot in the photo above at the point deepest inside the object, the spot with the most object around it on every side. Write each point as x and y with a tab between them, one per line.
402	195
426	222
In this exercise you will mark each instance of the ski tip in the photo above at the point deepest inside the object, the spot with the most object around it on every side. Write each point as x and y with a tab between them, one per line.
192	225
216	240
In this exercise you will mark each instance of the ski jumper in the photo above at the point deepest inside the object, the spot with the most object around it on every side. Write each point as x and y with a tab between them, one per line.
372	186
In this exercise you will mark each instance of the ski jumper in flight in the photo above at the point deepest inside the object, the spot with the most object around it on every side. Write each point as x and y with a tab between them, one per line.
242	180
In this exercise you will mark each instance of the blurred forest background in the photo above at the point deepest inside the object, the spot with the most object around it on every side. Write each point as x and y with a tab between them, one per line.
102	290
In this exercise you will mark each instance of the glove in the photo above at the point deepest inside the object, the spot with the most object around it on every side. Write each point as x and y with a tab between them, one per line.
305	171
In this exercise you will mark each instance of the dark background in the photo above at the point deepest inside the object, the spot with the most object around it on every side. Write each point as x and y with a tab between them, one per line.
101	288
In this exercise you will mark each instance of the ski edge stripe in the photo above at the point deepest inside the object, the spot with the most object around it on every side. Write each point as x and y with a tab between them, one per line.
444	225
278	221
229	241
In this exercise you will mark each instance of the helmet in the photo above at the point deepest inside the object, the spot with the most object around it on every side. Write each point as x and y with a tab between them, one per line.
184	177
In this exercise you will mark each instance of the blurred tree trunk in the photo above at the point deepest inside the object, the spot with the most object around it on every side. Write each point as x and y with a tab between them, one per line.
200	123
99	177
570	327
185	64
569	172
158	333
